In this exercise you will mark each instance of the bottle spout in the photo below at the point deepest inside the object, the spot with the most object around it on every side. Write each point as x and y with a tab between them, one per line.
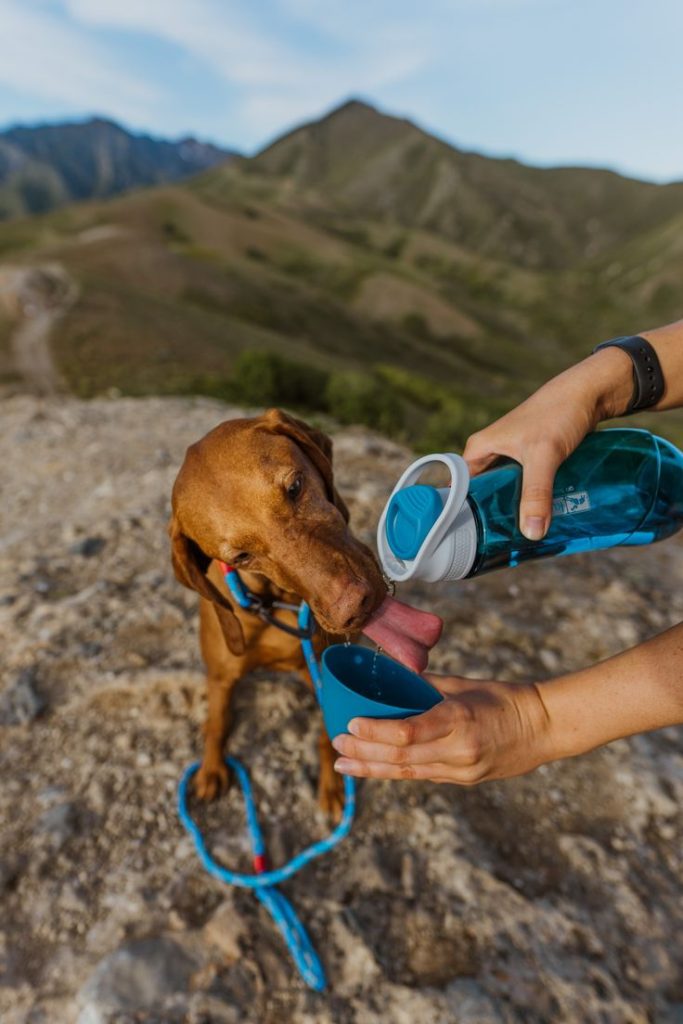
413	536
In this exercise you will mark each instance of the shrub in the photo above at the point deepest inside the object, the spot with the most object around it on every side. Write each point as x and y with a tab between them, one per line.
362	398
449	427
256	378
395	247
416	324
265	378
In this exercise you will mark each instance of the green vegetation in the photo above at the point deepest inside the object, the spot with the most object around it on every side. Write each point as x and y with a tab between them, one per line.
360	269
7	373
354	397
266	378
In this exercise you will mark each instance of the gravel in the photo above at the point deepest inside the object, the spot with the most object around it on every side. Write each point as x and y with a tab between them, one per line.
550	898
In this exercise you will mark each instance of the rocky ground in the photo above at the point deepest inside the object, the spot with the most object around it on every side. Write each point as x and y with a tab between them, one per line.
553	898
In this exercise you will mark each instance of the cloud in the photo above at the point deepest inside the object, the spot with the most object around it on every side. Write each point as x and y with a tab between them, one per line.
42	56
262	65
285	60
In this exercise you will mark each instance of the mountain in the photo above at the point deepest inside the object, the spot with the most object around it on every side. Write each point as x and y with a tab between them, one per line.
49	165
386	168
337	271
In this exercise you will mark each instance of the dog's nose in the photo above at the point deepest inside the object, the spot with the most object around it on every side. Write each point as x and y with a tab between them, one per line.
351	605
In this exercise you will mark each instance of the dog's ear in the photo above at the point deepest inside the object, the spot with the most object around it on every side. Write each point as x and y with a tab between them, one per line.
316	445
191	565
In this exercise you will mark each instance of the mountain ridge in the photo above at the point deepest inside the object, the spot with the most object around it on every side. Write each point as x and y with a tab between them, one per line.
326	258
48	165
423	181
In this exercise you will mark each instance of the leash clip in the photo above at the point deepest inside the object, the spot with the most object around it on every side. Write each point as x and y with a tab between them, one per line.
265	612
255	604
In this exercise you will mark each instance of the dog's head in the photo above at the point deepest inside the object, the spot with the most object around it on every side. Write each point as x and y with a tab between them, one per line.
259	494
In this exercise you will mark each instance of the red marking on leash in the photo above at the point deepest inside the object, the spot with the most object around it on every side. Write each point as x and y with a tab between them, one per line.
225	568
260	863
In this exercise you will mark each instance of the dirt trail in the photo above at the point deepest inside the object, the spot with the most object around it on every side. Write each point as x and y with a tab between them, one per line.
37	297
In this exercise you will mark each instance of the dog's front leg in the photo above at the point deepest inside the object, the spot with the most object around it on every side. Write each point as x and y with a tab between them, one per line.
213	777
223	669
330	783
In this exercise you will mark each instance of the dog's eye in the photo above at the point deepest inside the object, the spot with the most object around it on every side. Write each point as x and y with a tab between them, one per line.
294	489
241	558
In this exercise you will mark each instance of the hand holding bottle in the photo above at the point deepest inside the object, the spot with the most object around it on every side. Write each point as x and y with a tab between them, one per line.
545	429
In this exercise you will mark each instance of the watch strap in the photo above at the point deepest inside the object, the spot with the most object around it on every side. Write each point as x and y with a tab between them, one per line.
648	379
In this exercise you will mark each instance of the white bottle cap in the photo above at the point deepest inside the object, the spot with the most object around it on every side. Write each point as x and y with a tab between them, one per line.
450	548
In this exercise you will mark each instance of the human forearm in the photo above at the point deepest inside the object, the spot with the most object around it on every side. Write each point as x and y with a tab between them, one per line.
636	691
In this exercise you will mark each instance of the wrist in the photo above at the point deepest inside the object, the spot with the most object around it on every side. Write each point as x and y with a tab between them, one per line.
539	732
611	372
561	736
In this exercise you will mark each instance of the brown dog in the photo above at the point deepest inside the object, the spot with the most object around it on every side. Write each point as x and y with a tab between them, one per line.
259	495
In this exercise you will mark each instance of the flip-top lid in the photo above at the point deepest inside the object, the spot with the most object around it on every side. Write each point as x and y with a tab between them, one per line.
411	514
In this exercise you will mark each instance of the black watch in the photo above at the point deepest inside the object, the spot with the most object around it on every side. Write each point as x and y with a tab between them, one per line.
648	379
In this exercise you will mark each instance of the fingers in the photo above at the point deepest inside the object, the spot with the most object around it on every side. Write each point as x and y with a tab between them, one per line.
436	771
379	770
451	686
478	454
403	732
385	753
538	475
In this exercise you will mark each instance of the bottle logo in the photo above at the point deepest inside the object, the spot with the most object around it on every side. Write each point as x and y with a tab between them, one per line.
568	504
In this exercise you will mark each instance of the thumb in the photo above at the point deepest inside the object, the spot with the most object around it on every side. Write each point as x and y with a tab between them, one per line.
450	686
477	453
535	507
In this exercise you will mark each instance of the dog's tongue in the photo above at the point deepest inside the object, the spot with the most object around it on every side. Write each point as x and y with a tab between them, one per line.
404	632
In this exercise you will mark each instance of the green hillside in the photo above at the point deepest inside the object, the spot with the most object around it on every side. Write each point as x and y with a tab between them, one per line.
385	168
362	268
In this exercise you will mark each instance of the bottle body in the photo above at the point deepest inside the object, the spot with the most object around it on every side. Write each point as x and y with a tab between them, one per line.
620	487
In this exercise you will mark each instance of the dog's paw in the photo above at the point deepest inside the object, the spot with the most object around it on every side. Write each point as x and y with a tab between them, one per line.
331	796
211	781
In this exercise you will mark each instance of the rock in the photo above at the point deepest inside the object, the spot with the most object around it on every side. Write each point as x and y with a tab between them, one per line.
21	702
205	1009
227	930
471	1004
88	547
58	824
549	659
11	867
138	976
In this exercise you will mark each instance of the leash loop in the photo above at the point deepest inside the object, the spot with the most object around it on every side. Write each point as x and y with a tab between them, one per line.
263	881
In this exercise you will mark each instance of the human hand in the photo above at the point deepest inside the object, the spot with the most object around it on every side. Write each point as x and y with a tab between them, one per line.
545	429
481	730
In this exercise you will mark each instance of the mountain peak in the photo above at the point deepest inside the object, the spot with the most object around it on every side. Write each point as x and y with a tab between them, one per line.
353	105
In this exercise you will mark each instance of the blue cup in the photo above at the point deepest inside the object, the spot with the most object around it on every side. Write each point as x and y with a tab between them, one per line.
357	682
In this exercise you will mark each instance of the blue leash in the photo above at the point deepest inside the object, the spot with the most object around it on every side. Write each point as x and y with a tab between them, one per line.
264	882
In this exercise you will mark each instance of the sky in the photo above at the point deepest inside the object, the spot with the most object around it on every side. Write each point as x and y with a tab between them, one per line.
590	82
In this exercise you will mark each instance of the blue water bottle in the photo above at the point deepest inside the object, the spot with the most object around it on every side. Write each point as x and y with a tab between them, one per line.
619	487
